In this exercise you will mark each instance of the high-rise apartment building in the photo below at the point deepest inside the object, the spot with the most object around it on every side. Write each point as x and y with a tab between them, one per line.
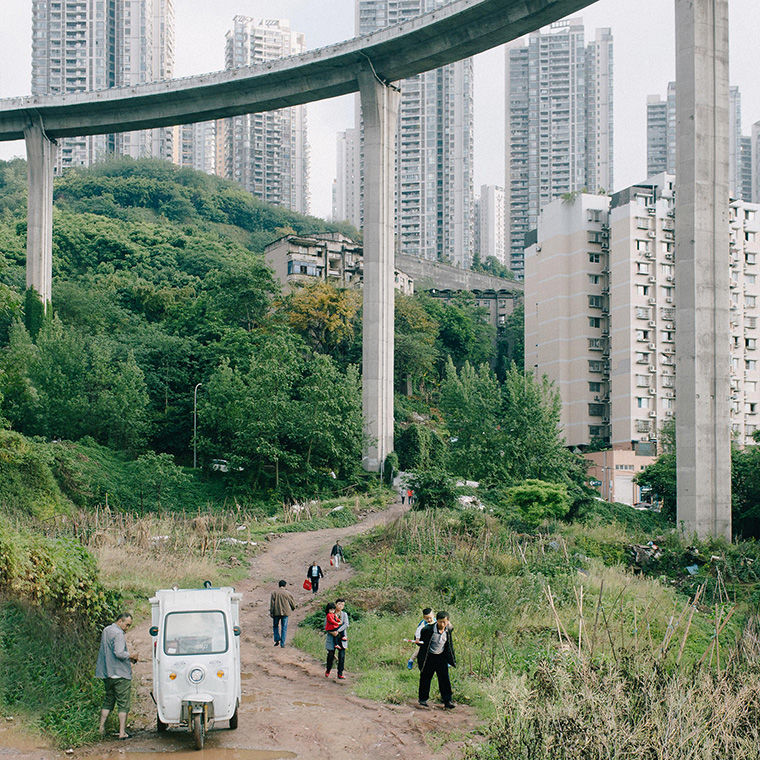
490	224
558	123
267	153
195	145
661	141
80	45
345	202
600	313
661	133
755	161
434	167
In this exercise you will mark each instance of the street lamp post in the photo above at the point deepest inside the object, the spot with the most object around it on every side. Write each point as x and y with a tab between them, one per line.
195	424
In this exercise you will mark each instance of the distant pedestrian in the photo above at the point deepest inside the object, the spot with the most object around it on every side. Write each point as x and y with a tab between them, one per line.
314	573
428	618
330	641
114	667
281	604
403	496
435	655
410	496
336	555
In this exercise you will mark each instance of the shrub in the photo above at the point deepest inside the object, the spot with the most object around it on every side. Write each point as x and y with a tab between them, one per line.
538	500
433	489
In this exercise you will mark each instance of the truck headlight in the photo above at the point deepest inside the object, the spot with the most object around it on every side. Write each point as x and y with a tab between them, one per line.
196	675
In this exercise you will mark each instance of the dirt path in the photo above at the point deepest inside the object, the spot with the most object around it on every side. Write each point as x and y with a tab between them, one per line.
288	705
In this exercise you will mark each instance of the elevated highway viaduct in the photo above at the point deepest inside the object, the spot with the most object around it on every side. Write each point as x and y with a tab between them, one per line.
369	65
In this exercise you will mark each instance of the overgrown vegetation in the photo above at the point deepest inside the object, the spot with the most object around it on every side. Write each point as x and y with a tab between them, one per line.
563	642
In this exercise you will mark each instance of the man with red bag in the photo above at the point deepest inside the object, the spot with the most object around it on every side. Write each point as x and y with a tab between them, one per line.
313	574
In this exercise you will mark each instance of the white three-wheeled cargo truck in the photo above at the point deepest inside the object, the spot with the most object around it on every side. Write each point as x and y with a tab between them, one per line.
196	658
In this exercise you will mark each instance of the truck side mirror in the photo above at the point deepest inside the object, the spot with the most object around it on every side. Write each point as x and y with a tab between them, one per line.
236	630
153	630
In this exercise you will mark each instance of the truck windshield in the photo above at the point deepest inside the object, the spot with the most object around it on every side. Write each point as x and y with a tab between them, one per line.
195	633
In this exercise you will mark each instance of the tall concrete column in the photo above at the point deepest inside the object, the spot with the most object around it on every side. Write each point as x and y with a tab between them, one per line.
40	157
379	104
703	443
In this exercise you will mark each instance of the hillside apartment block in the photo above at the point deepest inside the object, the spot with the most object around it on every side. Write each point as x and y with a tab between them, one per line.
600	320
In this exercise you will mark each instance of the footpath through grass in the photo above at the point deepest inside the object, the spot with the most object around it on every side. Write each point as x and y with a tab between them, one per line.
563	647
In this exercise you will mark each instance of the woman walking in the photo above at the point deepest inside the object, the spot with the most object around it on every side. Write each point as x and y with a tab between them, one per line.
330	639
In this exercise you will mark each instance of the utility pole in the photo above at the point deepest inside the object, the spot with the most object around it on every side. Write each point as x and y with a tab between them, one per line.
195	425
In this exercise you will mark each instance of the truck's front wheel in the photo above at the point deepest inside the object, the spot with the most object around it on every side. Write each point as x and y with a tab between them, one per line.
198	730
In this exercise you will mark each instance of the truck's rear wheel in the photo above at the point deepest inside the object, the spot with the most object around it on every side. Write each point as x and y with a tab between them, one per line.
234	720
198	730
160	725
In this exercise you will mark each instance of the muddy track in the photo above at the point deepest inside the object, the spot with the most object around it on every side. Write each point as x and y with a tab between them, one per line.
288	705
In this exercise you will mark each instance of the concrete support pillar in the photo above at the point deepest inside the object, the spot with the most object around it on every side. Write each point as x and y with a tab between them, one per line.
379	104
40	157
703	444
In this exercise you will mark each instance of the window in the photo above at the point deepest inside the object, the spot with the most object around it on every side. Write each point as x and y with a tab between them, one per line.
668	381
642	335
596	410
595	387
750	344
188	633
642	312
749	302
594	322
594	258
642	381
750	279
667	403
595	302
642	402
594	279
594	366
642	268
642	246
642	290
642	357
750	258
595	344
750	365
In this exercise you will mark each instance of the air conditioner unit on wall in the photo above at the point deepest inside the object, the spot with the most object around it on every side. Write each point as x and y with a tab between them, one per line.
653	413
652	323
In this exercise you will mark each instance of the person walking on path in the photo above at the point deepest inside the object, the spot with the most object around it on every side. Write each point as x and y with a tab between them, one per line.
314	573
281	604
428	618
330	639
435	655
336	555
114	666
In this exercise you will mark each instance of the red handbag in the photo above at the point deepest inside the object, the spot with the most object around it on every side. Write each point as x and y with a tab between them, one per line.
307	584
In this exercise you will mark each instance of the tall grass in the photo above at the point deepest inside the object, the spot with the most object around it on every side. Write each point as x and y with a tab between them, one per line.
567	651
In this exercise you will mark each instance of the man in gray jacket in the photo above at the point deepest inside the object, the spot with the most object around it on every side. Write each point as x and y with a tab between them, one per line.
281	604
114	666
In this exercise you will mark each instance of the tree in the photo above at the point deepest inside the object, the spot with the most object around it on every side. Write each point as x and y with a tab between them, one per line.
512	340
326	316
155	474
537	501
415	337
433	489
471	405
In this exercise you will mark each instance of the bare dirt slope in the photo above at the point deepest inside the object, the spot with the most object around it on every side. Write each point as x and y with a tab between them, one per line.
288	705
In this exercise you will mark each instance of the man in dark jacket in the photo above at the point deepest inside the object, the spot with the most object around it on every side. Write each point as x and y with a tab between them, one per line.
281	604
435	655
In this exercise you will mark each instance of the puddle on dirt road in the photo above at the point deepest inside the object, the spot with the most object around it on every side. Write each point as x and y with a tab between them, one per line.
209	753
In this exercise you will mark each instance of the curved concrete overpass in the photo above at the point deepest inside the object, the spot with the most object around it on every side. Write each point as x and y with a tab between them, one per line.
450	33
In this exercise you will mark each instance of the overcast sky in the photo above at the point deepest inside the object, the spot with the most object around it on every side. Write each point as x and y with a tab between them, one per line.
643	33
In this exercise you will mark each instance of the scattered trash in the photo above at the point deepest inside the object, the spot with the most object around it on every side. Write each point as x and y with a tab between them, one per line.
158	539
337	509
642	555
692	569
70	751
470	501
553	545
241	527
9	717
236	541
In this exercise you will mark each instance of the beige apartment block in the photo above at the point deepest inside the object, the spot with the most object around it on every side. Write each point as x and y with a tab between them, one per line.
328	256
600	314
